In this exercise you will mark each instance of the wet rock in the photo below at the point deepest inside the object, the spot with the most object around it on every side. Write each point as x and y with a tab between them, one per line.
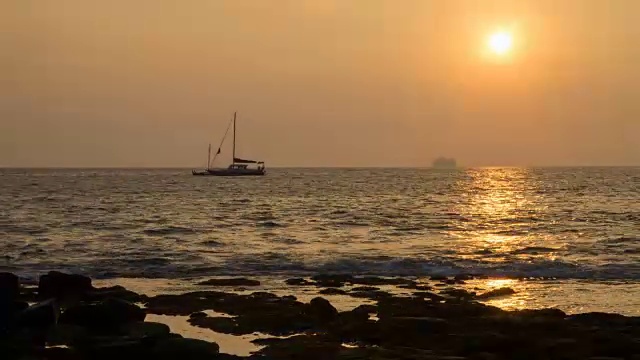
463	277
374	280
429	295
420	287
230	282
439	278
298	282
312	347
103	316
540	314
365	288
321	310
604	319
60	353
373	295
332	280
9	286
198	314
177	348
146	329
412	326
66	335
505	291
332	291
116	292
60	285
219	324
460	294
41	315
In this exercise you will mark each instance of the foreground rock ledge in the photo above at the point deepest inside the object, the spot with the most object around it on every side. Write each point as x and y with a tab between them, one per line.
74	320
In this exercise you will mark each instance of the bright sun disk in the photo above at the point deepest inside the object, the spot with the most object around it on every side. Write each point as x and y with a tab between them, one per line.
500	42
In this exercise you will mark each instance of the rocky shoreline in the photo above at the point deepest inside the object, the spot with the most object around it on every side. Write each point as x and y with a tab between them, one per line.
66	317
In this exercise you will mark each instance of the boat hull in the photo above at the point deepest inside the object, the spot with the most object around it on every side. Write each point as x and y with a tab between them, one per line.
227	172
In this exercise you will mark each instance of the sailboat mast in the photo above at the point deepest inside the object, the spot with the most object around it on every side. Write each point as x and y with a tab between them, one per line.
234	137
209	158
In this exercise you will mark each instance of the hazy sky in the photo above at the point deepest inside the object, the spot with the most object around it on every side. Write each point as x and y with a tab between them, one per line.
319	82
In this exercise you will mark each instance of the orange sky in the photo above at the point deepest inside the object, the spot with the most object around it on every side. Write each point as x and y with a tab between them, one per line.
319	82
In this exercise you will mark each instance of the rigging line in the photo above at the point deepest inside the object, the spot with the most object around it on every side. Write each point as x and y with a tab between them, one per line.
221	142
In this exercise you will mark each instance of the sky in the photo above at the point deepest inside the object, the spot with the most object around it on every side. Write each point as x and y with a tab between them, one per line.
150	83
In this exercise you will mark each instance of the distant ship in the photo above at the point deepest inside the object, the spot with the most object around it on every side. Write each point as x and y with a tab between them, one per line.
238	166
444	163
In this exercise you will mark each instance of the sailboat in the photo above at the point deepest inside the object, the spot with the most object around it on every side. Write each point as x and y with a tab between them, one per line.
238	167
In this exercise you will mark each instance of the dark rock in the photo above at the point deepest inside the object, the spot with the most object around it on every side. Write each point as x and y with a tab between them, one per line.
115	292
298	282
365	288
421	287
321	310
220	324
312	347
332	291
177	348
412	326
9	286
198	314
373	295
147	329
505	291
60	353
60	285
329	280
66	335
439	278
230	282
41	315
459	294
541	313
463	277
429	295
103	316
604	319
374	280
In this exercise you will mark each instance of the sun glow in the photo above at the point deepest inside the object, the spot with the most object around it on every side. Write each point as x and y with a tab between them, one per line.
500	42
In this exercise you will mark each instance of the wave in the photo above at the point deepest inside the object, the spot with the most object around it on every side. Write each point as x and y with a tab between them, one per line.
278	264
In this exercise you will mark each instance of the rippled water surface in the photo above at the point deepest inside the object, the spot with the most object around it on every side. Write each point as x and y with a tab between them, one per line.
575	223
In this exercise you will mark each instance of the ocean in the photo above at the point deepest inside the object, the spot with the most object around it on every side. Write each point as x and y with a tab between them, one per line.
570	237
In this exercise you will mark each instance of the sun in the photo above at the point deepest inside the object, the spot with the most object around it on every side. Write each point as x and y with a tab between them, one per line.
500	42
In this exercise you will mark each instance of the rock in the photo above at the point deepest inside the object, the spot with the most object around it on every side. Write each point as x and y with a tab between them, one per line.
505	291
103	316
198	314
115	292
460	294
321	310
67	335
219	324
374	280
312	347
41	315
298	282
332	291
60	285
412	326
180	348
439	278
332	280
463	277
429	295
373	295
9	286
365	288
146	329
230	282
420	287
